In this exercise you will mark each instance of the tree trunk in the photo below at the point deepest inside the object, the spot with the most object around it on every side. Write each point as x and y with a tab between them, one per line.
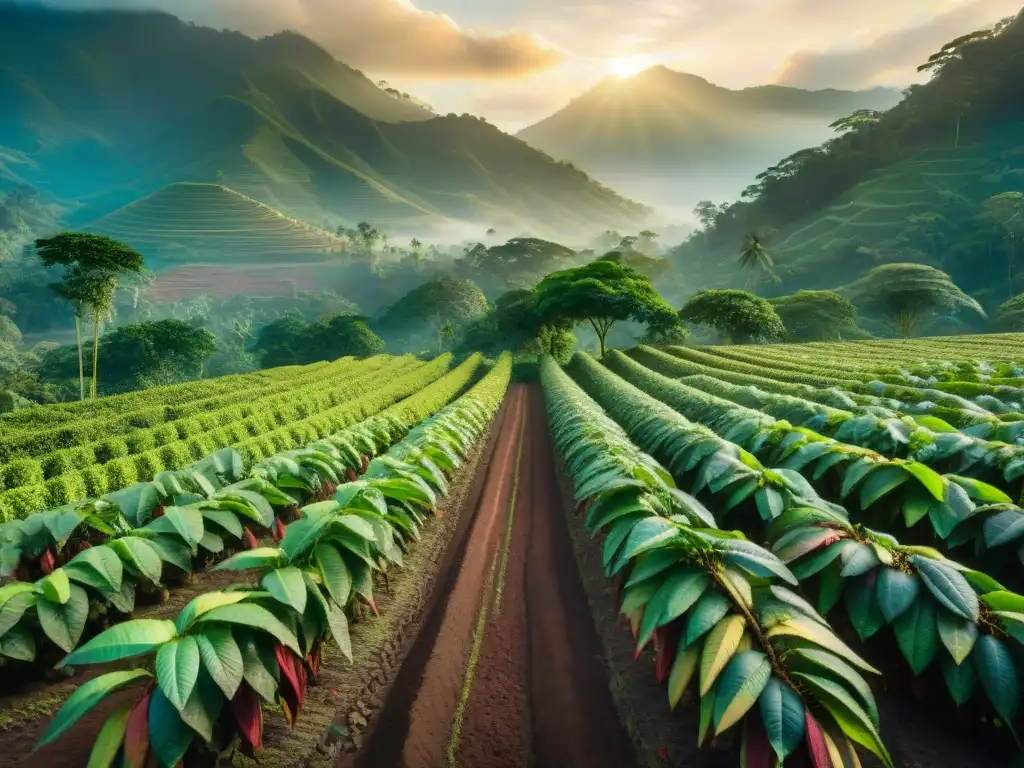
81	363
95	351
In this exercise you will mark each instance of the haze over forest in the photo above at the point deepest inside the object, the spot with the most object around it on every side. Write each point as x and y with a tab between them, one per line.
278	163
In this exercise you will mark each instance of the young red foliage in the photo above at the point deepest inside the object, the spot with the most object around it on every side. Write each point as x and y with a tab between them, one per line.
364	462
278	529
136	735
817	748
47	561
249	539
665	641
352	476
757	752
158	511
315	657
249	715
293	682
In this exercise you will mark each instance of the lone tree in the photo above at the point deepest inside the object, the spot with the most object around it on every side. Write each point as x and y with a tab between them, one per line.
1009	316
739	316
513	324
93	265
909	296
818	316
601	293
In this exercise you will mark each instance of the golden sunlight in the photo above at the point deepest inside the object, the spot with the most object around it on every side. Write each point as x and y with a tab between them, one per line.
626	66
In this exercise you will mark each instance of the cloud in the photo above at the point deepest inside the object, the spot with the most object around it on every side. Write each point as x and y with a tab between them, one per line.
392	37
891	57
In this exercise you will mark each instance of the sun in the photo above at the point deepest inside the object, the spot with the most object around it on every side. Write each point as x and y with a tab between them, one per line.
625	66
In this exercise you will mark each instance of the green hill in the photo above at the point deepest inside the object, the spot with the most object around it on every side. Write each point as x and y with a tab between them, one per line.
107	107
937	179
196	222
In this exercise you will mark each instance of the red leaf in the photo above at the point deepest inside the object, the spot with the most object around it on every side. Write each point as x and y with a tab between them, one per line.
293	682
757	751
278	529
136	735
315	656
47	561
352	476
364	462
663	754
249	715
816	746
158	511
665	641
249	540
373	607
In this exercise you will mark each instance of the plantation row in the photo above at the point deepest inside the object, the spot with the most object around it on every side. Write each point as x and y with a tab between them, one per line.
963	395
230	653
748	627
962	414
318	409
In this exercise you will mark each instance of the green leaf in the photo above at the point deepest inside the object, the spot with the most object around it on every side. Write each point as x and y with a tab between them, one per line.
97	567
928	477
287	586
338	623
960	680
173	552
335	573
709	610
303	533
949	587
957	634
981	492
782	712
677	593
109	740
203	604
256	617
819	560
184	522
880	482
865	614
770	503
122	641
14	608
896	592
683	668
56	587
825	664
177	667
140	555
260	668
222	658
858	559
204	706
169	736
652	563
756	560
1004	601
721	644
848	714
85	697
917	634
224	519
802	541
998	676
813	632
647	534
261	557
64	624
18	643
739	687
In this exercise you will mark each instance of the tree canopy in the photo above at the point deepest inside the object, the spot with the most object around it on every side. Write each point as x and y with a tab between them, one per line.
514	324
909	296
291	340
1008	317
601	293
740	316
434	303
818	316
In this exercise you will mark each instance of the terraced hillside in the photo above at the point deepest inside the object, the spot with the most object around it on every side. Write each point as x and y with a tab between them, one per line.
184	223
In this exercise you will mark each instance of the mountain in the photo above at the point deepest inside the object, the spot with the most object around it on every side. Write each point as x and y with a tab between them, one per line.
102	108
937	179
671	136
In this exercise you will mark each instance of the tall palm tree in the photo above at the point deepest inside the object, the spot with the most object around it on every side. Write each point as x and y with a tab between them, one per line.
754	256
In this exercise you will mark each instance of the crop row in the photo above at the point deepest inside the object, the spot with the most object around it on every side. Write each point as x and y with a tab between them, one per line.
719	609
182	519
179	395
966	398
78	445
925	439
959	510
940	611
230	653
302	419
970	419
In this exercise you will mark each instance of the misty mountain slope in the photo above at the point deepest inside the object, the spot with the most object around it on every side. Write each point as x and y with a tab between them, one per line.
935	180
104	108
666	126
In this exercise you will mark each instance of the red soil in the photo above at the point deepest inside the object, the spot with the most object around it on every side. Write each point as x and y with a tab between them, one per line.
539	695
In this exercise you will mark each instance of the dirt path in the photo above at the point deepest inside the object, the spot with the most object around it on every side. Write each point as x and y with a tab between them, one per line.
512	673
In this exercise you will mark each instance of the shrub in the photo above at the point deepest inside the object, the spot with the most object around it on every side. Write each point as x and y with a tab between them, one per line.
140	441
66	489
147	417
164	434
68	460
148	465
120	473
175	455
23	501
21	472
114	448
96	483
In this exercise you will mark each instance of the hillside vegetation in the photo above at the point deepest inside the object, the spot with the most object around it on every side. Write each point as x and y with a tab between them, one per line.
108	107
935	180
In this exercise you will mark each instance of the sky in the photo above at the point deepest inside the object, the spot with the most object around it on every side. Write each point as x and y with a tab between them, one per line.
517	61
